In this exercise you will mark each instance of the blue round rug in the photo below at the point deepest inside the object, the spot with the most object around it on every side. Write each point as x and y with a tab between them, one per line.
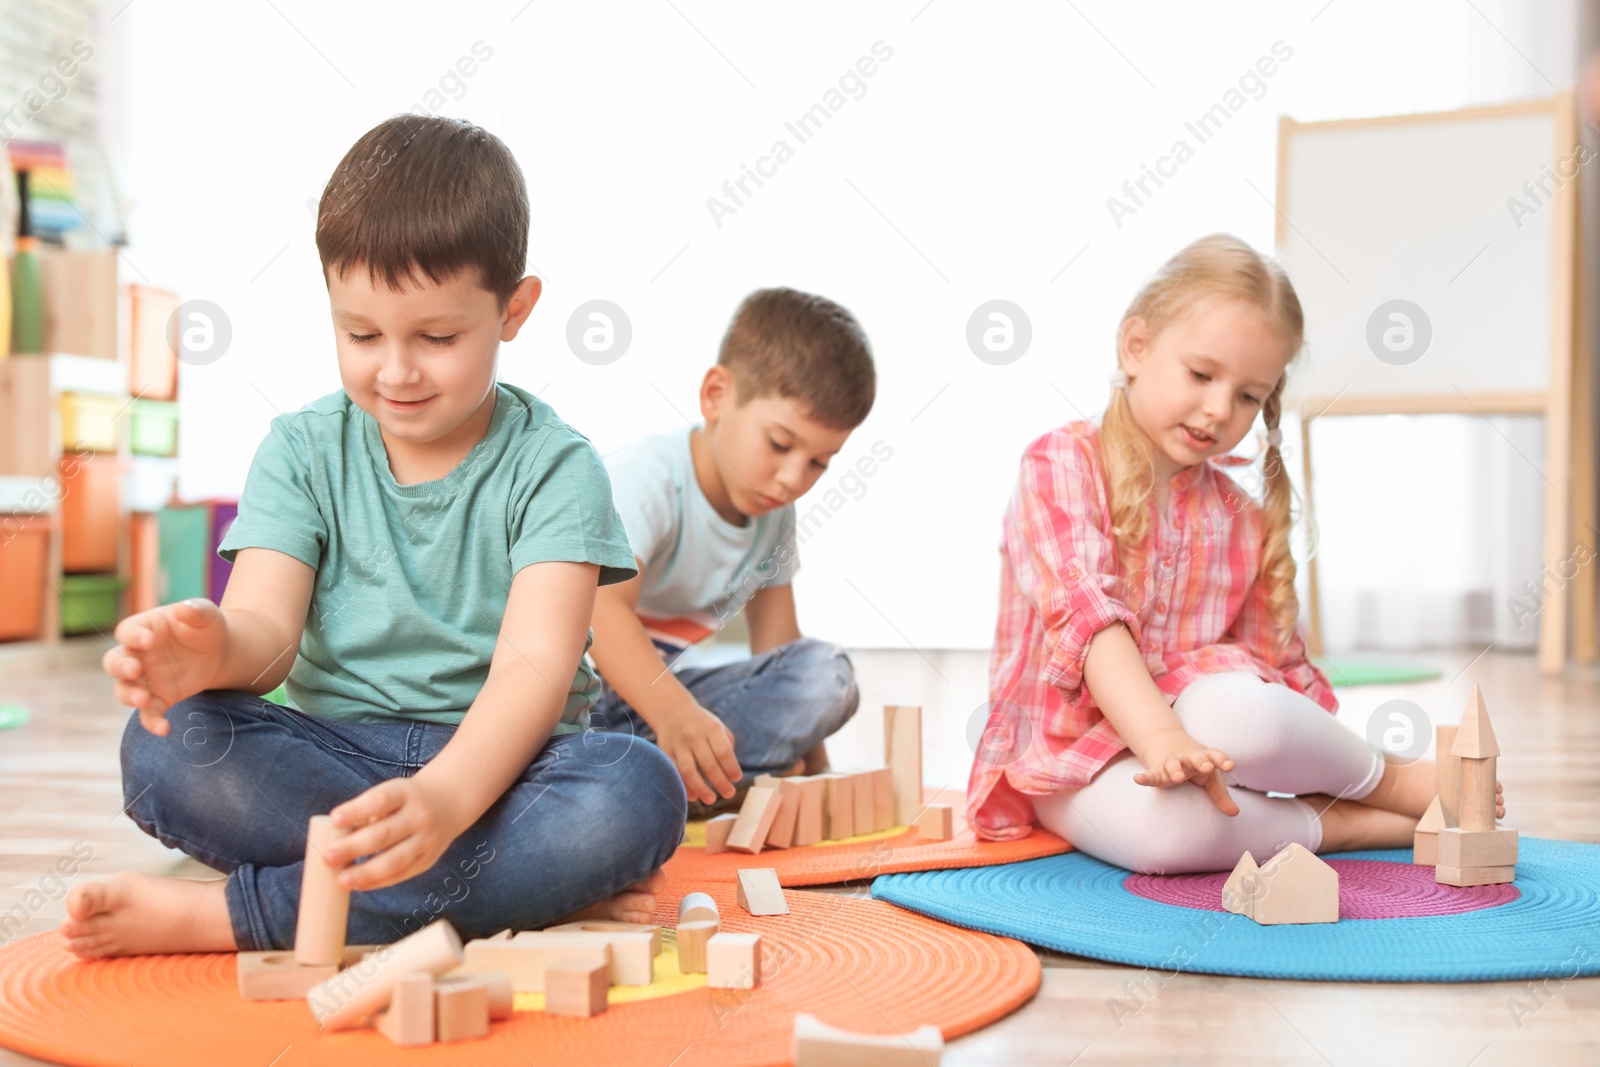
1396	925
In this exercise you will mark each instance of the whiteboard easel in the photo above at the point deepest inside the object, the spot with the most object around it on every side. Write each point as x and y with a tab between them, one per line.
1418	207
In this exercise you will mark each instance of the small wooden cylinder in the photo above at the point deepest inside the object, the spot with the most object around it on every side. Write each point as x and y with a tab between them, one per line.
324	903
1477	794
354	995
1447	774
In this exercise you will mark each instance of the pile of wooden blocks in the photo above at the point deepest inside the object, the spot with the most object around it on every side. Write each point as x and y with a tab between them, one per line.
728	960
573	964
1294	886
803	810
1457	836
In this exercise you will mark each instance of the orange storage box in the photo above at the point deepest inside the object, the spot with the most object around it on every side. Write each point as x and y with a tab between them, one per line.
90	485
24	554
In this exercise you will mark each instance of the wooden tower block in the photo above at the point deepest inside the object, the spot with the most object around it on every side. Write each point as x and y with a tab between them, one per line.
808	827
575	989
717	829
697	906
902	751
782	833
816	1044
409	1019
461	1010
692	940
865	802
1425	842
841	805
1296	887
883	799
936	822
756	815
760	893
1462	877
1477	848
733	961
606	926
1239	891
1475	736
1447	774
525	957
344	1002
324	903
1477	794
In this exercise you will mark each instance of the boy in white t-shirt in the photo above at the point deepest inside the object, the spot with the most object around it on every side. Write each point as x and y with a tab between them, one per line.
710	515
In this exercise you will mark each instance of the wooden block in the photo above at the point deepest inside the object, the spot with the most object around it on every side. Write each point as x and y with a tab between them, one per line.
277	975
1425	842
1239	891
525	957
936	822
733	961
632	955
462	1009
865	802
808	828
816	1044
1296	887
755	820
601	926
1447	774
695	907
782	833
1444	874
760	893
1475	736
1477	794
883	800
575	989
717	829
497	984
692	940
840	813
410	1018
354	995
324	903
902	751
1459	847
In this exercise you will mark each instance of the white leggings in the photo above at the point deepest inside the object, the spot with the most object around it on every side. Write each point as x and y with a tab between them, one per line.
1280	741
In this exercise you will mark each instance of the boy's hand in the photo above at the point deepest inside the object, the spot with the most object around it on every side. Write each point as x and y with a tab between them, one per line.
699	744
1173	758
164	655
404	826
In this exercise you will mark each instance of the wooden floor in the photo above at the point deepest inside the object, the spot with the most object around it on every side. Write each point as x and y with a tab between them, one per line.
59	785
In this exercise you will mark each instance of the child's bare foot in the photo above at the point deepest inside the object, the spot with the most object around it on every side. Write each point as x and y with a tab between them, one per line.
1408	788
134	914
635	904
1348	825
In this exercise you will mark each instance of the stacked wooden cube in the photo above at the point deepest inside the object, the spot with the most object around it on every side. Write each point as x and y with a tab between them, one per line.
1457	836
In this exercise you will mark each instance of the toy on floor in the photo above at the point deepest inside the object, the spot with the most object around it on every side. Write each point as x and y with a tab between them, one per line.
1457	836
816	1044
760	893
698	922
1292	887
733	961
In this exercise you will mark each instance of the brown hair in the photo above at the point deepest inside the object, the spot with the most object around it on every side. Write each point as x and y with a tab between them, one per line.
805	347
1224	266
426	193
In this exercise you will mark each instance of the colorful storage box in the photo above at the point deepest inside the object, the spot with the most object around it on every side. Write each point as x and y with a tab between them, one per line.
185	569
154	427
90	484
89	422
152	361
89	603
144	550
24	555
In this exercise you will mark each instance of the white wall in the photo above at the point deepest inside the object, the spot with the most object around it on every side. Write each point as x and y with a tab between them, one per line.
977	165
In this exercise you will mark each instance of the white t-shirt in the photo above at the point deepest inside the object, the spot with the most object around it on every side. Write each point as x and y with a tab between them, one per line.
698	569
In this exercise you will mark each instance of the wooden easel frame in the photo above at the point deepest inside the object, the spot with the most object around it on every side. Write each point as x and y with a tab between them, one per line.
1569	511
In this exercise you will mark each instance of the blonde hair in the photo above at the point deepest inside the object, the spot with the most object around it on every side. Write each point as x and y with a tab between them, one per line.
1222	266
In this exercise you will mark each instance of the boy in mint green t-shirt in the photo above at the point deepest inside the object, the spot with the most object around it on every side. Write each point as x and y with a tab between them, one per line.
417	557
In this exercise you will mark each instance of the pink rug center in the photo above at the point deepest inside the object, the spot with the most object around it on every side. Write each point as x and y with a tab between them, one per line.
1368	889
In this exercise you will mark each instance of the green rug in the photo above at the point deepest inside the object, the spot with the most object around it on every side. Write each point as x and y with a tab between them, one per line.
12	716
1350	672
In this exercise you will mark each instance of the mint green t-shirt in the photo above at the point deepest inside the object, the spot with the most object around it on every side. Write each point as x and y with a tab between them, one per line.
412	580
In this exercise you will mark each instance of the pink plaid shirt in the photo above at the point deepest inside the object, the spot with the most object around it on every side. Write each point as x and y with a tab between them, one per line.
1200	613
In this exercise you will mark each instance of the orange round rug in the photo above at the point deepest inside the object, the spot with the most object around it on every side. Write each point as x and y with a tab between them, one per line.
858	964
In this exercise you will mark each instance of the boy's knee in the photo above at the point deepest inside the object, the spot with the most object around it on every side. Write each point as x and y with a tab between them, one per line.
200	735
827	670
642	801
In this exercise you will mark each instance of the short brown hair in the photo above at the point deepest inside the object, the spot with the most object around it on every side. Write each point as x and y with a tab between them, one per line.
804	347
426	193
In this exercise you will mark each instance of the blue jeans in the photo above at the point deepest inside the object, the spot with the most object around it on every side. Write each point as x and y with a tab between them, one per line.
779	704
236	781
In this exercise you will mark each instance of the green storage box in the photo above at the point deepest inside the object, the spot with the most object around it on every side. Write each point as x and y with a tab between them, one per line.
185	535
90	603
155	427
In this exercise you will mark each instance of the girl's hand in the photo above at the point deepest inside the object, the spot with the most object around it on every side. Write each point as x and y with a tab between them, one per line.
402	825
165	655
1171	759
